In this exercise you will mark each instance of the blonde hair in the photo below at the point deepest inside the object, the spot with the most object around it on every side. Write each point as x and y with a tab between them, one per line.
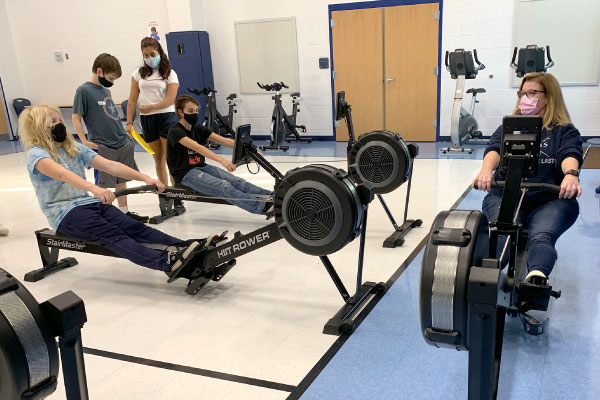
556	113
34	130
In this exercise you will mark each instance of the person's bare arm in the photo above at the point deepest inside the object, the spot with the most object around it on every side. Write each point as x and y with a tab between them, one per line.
198	148
134	94
117	169
222	140
76	118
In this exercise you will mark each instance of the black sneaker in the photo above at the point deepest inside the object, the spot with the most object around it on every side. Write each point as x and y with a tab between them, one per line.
140	218
269	209
178	259
178	203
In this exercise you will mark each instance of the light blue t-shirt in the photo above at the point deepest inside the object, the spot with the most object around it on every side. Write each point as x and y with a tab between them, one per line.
56	197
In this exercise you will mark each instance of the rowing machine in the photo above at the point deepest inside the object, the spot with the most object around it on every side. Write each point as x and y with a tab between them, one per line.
384	160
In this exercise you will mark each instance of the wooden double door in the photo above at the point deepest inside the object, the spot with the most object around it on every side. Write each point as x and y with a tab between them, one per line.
386	60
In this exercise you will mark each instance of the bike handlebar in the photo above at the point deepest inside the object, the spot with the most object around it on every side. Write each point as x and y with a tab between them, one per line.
205	91
446	60
136	190
550	62
513	64
480	65
545	187
277	86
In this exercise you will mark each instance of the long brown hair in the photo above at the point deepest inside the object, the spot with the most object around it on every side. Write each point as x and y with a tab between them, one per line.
34	130
556	113
164	68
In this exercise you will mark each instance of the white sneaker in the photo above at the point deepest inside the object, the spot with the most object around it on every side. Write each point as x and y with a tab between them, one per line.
3	231
534	273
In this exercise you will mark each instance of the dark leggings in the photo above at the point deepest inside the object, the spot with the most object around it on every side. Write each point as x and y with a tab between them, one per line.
108	226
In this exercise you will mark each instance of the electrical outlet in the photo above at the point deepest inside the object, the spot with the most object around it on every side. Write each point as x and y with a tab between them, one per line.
58	56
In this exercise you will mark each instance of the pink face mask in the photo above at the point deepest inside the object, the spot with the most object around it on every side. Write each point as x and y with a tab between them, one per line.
528	106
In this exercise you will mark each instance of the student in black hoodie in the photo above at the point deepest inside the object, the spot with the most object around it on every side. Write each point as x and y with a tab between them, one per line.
547	215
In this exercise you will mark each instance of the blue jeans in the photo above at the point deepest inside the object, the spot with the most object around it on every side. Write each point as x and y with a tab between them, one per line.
217	182
545	223
108	226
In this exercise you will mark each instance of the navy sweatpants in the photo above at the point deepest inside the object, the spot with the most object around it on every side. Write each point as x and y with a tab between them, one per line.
108	226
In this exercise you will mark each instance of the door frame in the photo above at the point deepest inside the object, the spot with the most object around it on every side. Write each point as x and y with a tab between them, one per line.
380	4
4	105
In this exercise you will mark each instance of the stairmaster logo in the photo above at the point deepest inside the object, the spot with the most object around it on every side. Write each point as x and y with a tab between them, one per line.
246	243
65	244
181	195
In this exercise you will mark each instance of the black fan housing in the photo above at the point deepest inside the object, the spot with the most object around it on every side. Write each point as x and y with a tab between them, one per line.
317	209
380	158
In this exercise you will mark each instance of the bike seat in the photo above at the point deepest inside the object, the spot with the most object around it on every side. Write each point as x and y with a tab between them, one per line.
476	90
231	96
297	94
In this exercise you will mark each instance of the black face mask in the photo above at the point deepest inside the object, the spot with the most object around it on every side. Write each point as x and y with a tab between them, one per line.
104	82
192	119
59	132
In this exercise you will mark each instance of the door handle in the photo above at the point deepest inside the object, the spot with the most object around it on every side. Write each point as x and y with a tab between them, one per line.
388	79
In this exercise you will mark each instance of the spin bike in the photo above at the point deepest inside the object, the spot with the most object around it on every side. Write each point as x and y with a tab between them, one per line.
463	126
464	292
384	160
213	119
282	124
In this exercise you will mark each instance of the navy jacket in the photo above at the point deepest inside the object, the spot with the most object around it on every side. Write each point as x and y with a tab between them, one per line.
556	145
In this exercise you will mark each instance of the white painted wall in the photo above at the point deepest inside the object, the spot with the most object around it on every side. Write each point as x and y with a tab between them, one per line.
82	29
10	71
85	29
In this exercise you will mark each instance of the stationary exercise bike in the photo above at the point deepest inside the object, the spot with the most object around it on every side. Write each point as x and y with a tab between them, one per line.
282	124
464	126
531	59
213	119
384	160
464	292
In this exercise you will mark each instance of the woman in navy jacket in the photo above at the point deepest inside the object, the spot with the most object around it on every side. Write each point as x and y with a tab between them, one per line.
547	215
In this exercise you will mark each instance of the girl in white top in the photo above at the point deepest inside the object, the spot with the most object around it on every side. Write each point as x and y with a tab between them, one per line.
154	86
